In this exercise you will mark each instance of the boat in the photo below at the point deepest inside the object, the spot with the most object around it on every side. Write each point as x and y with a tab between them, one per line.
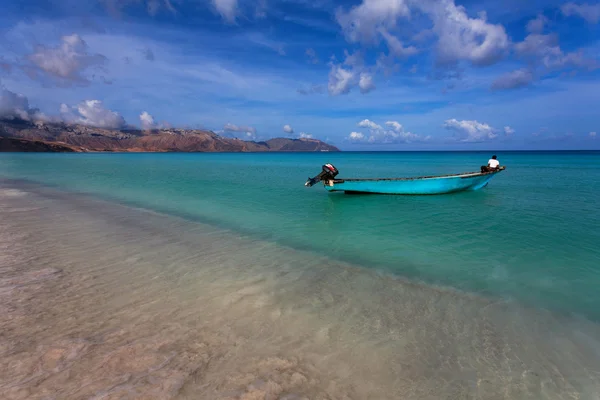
422	185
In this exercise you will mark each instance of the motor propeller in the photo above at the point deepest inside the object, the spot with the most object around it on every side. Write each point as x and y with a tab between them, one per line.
328	172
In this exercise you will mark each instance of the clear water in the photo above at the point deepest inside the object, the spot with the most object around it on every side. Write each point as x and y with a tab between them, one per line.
532	235
266	289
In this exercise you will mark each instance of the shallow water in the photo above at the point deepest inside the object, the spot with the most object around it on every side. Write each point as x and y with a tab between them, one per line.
105	301
532	235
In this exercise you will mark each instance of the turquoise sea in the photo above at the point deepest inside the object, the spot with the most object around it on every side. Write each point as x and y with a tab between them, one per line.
533	235
229	260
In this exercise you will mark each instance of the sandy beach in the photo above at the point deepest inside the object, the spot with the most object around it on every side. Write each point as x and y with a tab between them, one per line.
102	301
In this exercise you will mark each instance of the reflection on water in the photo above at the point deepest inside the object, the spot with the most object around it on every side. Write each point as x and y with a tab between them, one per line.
101	301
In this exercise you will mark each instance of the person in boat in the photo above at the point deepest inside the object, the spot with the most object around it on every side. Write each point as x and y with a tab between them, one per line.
493	165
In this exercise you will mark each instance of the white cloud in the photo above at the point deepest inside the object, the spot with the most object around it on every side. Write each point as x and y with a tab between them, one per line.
288	129
362	23
147	121
238	128
464	38
92	113
66	62
356	137
508	131
365	123
343	79
514	79
305	135
394	133
589	12
395	125
15	105
396	46
593	135
537	24
340	80
240	131
459	36
470	131
365	82
227	8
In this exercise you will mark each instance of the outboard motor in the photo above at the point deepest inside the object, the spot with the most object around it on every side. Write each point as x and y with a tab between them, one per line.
328	172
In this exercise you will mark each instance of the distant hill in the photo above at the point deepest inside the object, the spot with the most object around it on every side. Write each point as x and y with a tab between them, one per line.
80	138
24	145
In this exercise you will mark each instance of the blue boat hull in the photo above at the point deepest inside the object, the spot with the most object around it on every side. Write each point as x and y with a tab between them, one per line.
413	186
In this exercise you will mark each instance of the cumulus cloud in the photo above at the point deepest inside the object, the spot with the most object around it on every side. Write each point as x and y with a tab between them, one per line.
356	137
589	12
393	132
304	135
395	125
288	129
470	131
67	62
340	80
92	113
365	123
514	79
464	38
312	56
227	8
593	135
459	36
363	22
13	105
537	24
365	82
349	74
147	121
508	131
16	106
240	131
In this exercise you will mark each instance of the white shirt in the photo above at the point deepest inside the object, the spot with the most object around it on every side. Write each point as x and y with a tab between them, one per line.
493	163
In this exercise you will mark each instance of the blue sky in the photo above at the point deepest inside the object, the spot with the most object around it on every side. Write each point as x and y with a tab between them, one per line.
363	75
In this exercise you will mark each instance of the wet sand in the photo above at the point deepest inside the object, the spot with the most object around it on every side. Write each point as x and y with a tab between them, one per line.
103	301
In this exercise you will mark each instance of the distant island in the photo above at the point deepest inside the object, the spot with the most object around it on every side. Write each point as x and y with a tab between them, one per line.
22	135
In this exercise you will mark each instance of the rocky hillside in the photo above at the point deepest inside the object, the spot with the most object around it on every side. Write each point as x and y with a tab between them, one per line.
23	145
85	138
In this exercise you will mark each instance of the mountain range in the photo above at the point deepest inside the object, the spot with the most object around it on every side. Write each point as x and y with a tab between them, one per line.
23	135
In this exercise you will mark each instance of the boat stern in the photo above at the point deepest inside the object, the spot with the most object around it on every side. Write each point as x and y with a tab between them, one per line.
328	173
